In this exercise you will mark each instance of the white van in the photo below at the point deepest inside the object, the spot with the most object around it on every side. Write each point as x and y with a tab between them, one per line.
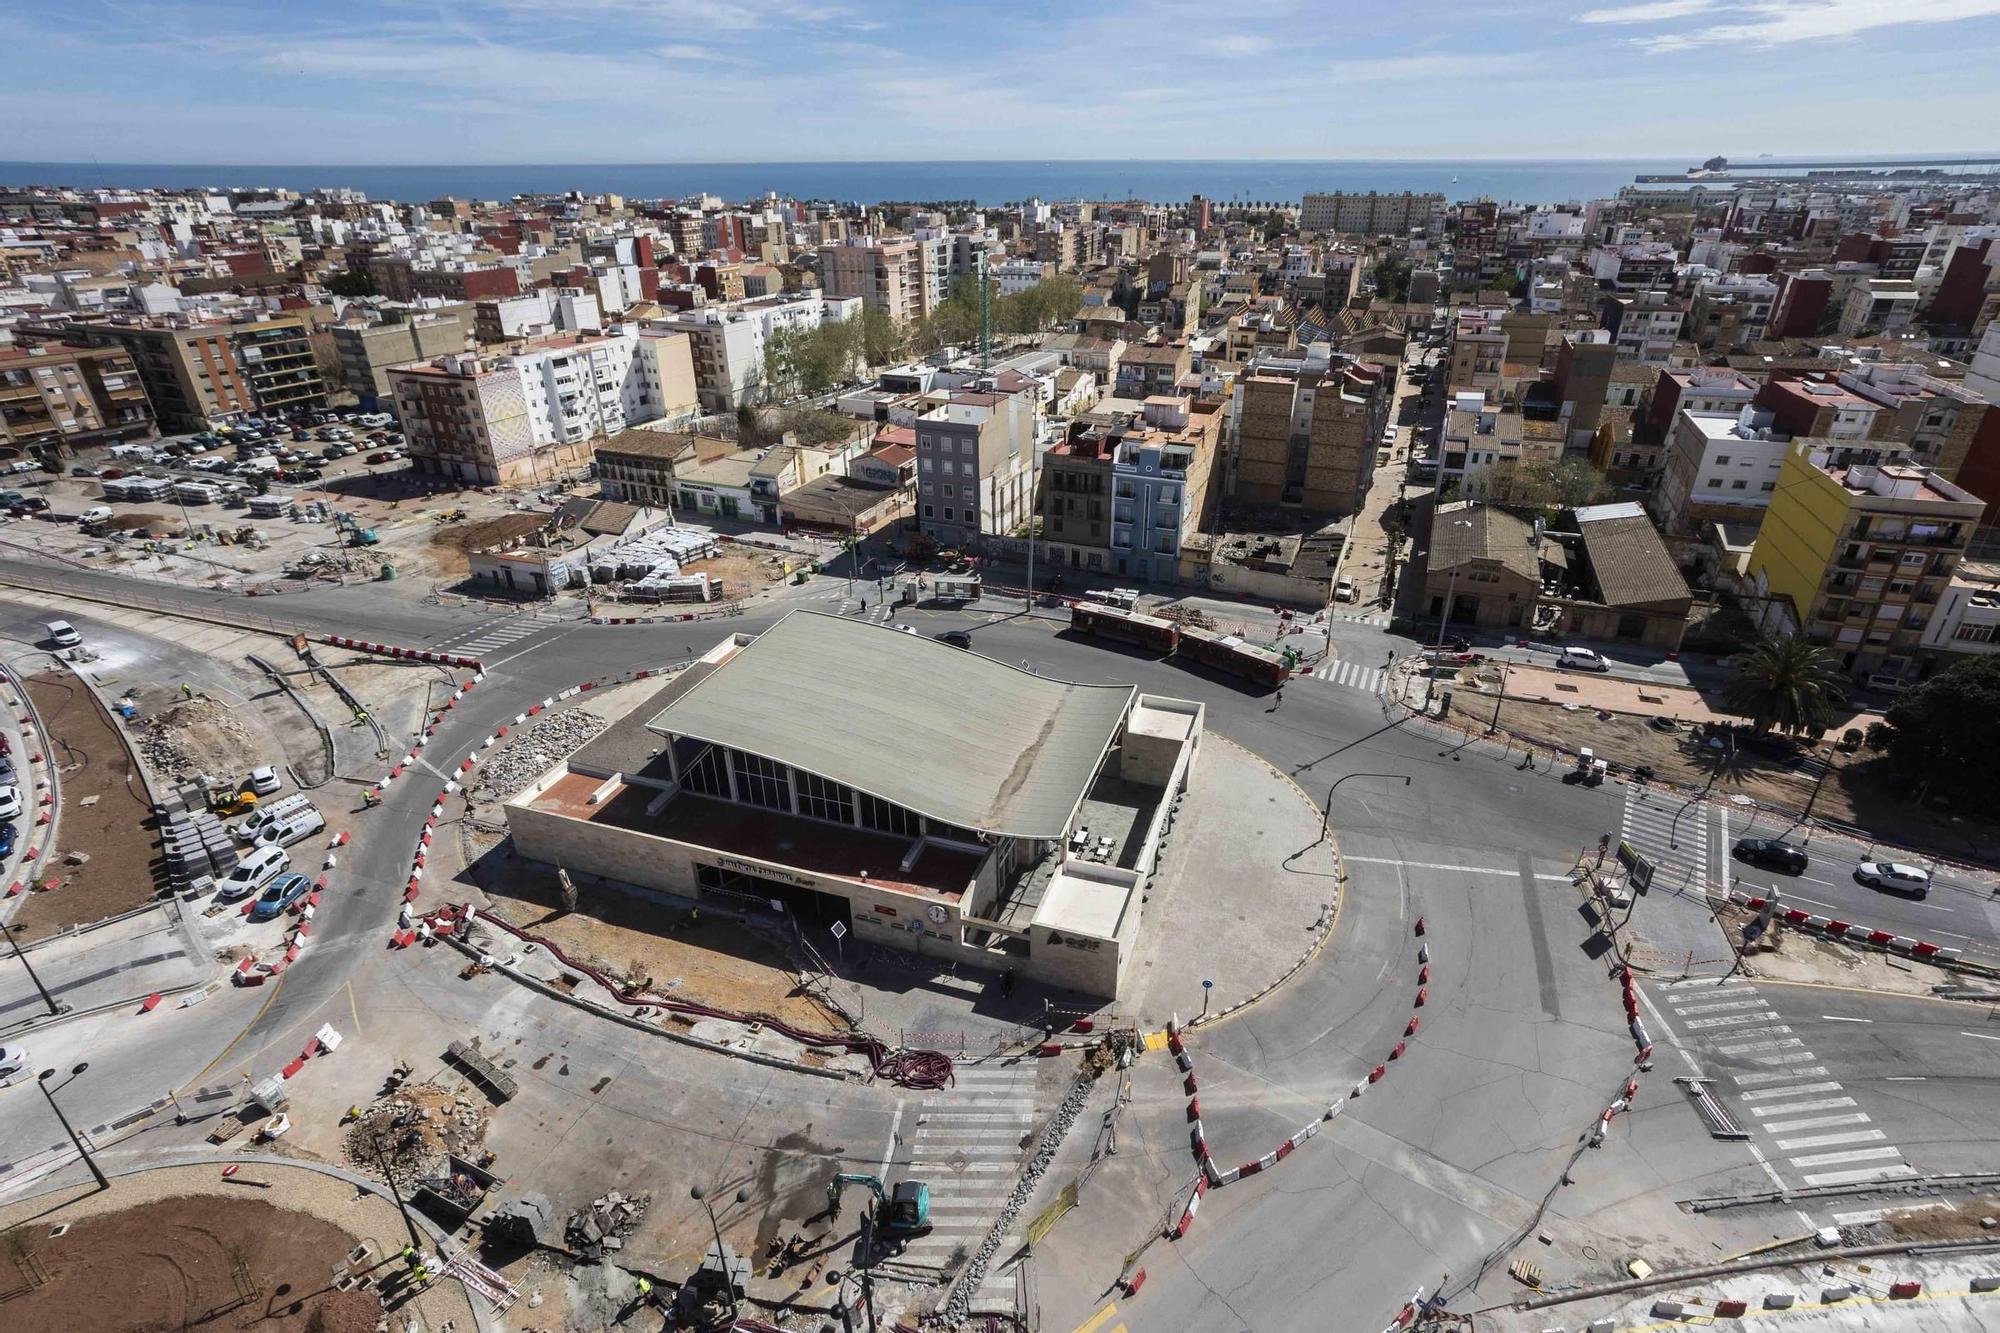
288	829
252	873
252	827
94	515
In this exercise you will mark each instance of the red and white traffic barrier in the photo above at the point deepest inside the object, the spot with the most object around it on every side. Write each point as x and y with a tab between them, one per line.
402	653
1834	927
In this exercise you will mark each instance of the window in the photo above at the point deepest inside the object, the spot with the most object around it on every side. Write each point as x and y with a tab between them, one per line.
1715	483
1722	460
1974	633
1914	559
965	447
1768	486
927	510
884	817
949	514
705	774
760	781
950	491
1738	484
821	798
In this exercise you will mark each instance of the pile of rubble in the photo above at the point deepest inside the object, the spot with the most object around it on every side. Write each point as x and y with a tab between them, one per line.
605	1223
416	1129
529	752
191	737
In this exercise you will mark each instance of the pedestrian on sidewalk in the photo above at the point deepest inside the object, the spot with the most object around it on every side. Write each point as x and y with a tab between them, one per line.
1277	700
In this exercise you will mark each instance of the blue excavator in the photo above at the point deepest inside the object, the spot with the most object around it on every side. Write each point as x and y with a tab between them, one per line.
903	1213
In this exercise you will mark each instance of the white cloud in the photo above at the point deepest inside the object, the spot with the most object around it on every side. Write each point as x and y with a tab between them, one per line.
1240	44
1648	13
1779	22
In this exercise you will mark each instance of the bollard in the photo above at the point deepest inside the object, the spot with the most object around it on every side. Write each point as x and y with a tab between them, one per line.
1423	995
1420	925
1731	1309
1414	1024
1904	1291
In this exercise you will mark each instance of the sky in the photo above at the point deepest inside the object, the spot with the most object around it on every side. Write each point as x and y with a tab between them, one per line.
479	81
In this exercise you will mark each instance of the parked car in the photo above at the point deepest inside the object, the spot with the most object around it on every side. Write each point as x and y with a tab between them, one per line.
111	474
253	872
379	456
283	892
13	1060
1343	589
263	780
9	834
83	470
1581	659
1895	877
1770	852
957	638
10	802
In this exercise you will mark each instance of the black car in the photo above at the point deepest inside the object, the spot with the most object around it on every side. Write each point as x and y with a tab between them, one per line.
1770	852
957	638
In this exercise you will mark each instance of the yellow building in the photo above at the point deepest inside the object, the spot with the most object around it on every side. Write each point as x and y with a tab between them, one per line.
1861	551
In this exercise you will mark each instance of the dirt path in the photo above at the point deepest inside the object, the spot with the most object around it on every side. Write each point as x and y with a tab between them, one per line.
105	814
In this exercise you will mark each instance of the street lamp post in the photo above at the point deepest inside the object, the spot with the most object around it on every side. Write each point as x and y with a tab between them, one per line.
1326	808
47	998
700	1196
42	1082
1444	621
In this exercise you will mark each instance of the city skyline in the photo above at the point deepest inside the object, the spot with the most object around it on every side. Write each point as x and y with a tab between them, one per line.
672	81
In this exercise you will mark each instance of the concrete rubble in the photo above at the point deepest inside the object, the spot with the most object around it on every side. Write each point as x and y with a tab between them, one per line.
416	1129
527	753
605	1223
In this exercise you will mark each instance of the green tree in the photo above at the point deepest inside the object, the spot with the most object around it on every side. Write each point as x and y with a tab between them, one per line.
1787	685
781	362
1946	732
1392	279
817	426
352	282
880	339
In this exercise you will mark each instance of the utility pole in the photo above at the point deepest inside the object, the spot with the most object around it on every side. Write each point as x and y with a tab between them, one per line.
985	317
47	998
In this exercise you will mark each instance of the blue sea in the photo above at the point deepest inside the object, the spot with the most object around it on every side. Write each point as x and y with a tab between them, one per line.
987	183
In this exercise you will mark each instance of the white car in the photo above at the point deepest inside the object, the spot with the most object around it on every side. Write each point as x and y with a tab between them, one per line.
1896	877
10	802
264	780
252	873
13	1060
1581	659
1343	590
63	634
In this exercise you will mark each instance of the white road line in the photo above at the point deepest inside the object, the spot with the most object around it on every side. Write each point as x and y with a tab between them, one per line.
1433	865
1898	1171
1795	1108
945	1152
1867	1215
1815	1122
1833	1140
1694	1067
1836	1018
1744	1048
1758	1080
1796	1090
995	1103
1696	983
1758	1003
1727	1021
1843	1158
1797	1057
1981	1035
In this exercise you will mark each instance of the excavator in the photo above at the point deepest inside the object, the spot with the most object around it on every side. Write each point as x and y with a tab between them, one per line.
900	1214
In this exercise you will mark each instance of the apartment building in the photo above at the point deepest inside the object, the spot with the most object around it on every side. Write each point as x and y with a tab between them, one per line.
1966	620
402	335
888	275
528	415
1476	436
56	399
1307	428
1645	325
975	452
1145	371
1121	496
202	375
1879	305
1478	349
1944	422
1584	363
1708	389
1720	467
1372	214
1817	406
1731	311
1863	553
637	466
728	340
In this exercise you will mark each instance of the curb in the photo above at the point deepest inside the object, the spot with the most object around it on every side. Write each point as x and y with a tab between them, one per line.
1922	950
40	770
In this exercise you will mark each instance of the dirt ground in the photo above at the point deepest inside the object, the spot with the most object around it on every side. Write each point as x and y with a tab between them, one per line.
1800	956
743	573
115	827
711	961
183	1263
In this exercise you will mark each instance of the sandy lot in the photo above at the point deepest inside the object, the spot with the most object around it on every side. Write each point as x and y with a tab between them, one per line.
184	1263
114	828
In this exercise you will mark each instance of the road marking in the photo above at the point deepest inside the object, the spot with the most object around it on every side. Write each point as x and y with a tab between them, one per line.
1832	1140
1759	1003
1098	1320
1794	1108
889	1152
1779	1076
1842	1158
1836	1018
1899	1170
1745	1047
1796	1090
1815	1122
1693	983
1867	1215
1728	1021
1433	865
1981	1035
1694	1067
1797	1057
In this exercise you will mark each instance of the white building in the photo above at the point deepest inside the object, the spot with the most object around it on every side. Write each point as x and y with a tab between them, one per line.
1983	378
729	340
1716	460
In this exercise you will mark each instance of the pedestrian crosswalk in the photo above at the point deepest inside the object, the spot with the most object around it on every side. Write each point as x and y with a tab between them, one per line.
1668	831
493	635
1358	618
1353	675
968	1145
1796	1114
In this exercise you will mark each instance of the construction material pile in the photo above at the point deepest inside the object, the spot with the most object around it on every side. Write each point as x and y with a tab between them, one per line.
605	1223
193	736
529	752
414	1130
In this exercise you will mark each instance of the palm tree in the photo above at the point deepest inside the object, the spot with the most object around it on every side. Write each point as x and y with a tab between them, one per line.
1788	685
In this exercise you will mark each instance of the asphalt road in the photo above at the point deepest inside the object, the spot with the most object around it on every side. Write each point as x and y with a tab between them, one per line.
1522	1037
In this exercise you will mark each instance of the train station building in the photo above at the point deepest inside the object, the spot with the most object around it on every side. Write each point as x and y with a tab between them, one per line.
879	789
